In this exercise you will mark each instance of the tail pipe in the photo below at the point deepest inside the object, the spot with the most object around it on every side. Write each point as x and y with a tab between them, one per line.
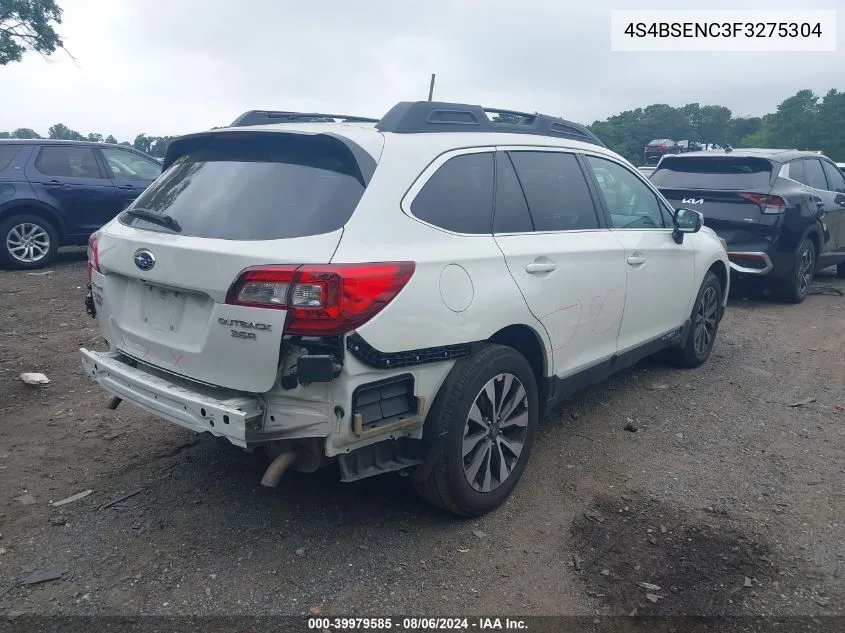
277	468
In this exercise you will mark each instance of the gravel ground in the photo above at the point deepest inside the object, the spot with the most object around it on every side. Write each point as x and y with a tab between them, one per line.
727	499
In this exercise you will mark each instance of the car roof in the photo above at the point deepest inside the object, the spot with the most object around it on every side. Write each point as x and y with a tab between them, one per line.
776	155
56	141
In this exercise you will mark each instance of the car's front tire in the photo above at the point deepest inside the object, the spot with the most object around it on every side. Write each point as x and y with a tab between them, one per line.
704	324
795	287
27	242
479	432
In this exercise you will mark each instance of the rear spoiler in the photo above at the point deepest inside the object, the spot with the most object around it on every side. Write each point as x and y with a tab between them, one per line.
178	147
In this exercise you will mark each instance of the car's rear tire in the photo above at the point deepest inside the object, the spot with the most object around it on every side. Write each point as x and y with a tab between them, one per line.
704	325
840	270
27	242
479	432
796	285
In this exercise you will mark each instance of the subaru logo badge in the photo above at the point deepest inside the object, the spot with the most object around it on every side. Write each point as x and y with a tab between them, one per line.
144	259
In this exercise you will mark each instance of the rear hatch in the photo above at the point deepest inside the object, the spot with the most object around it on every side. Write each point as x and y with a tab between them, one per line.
733	193
165	270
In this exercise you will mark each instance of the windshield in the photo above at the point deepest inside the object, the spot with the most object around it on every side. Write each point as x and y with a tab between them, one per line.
255	187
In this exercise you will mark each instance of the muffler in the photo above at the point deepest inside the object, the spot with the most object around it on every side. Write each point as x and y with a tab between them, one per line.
277	468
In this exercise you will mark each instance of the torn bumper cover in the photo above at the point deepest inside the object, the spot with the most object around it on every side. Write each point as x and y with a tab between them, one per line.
228	414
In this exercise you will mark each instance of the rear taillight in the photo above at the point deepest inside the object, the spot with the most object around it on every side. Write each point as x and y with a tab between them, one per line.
322	300
767	204
93	254
660	148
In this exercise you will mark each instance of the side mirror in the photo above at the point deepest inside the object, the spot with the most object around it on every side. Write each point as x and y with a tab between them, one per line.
686	221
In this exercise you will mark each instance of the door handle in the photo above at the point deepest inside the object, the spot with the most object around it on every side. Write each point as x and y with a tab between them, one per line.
55	184
126	187
535	268
636	260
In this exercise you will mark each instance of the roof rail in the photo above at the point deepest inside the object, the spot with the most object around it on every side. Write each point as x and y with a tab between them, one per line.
266	117
434	116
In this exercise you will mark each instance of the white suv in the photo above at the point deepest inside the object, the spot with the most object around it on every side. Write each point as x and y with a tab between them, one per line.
408	294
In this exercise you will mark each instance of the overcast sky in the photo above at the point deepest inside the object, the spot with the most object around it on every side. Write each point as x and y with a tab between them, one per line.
167	67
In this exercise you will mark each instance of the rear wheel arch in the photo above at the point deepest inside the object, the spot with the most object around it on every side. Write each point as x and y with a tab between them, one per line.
719	269
527	342
37	209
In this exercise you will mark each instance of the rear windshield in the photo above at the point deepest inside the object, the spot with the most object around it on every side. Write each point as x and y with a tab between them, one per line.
254	186
712	173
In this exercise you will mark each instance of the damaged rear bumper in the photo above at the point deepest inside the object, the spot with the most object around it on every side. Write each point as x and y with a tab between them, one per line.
228	414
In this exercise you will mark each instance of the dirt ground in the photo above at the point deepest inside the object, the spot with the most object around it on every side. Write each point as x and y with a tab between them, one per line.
727	499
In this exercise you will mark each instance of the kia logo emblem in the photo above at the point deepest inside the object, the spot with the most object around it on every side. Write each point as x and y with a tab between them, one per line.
144	259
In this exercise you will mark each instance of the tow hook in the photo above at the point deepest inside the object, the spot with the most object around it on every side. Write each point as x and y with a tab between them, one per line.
277	468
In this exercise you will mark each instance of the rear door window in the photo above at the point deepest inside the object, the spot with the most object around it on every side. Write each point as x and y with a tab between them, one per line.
835	180
556	191
7	154
255	186
459	195
512	214
68	161
815	174
714	173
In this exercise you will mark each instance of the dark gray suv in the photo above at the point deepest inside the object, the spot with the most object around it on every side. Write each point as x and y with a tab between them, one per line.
781	212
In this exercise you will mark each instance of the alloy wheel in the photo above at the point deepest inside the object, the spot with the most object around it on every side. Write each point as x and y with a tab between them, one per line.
705	321
27	242
495	432
805	269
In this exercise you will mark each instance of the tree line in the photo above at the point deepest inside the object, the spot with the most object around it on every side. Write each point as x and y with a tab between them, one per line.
152	145
802	121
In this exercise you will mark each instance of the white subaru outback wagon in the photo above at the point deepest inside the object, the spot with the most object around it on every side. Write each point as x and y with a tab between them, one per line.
405	294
